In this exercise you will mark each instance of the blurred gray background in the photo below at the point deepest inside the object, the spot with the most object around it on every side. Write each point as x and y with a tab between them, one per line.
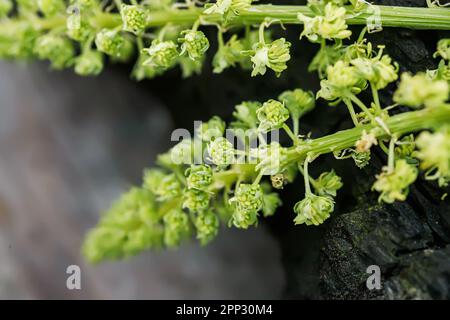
68	147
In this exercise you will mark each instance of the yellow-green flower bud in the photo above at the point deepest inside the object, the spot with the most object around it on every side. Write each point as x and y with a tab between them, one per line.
274	55
271	202
272	115
298	102
224	6
90	63
134	18
248	197
243	219
328	184
182	152
207	225
443	49
405	147
51	7
434	153
55	48
214	128
194	43
165	186
228	55
394	185
269	158
380	71
245	115
341	80
176	228
418	90
141	71
190	67
78	29
221	151
199	176
110	42
361	159
219	7
161	54
313	210
330	25
196	200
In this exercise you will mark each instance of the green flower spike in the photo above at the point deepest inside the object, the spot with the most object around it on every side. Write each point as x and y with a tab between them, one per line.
194	43
272	115
328	183
434	153
394	184
274	56
221	151
129	227
161	54
55	48
207	225
418	90
196	200
313	210
177	228
134	18
330	25
199	176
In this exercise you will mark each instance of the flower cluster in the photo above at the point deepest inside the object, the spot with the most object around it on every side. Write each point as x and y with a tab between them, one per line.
393	184
434	153
421	90
328	24
273	55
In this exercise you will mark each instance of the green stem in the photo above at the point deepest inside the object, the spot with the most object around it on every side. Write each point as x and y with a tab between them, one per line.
306	176
391	155
291	135
391	16
351	110
398	124
363	107
376	98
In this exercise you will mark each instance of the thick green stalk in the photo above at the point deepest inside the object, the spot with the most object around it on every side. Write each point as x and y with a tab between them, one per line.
390	16
407	17
398	124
